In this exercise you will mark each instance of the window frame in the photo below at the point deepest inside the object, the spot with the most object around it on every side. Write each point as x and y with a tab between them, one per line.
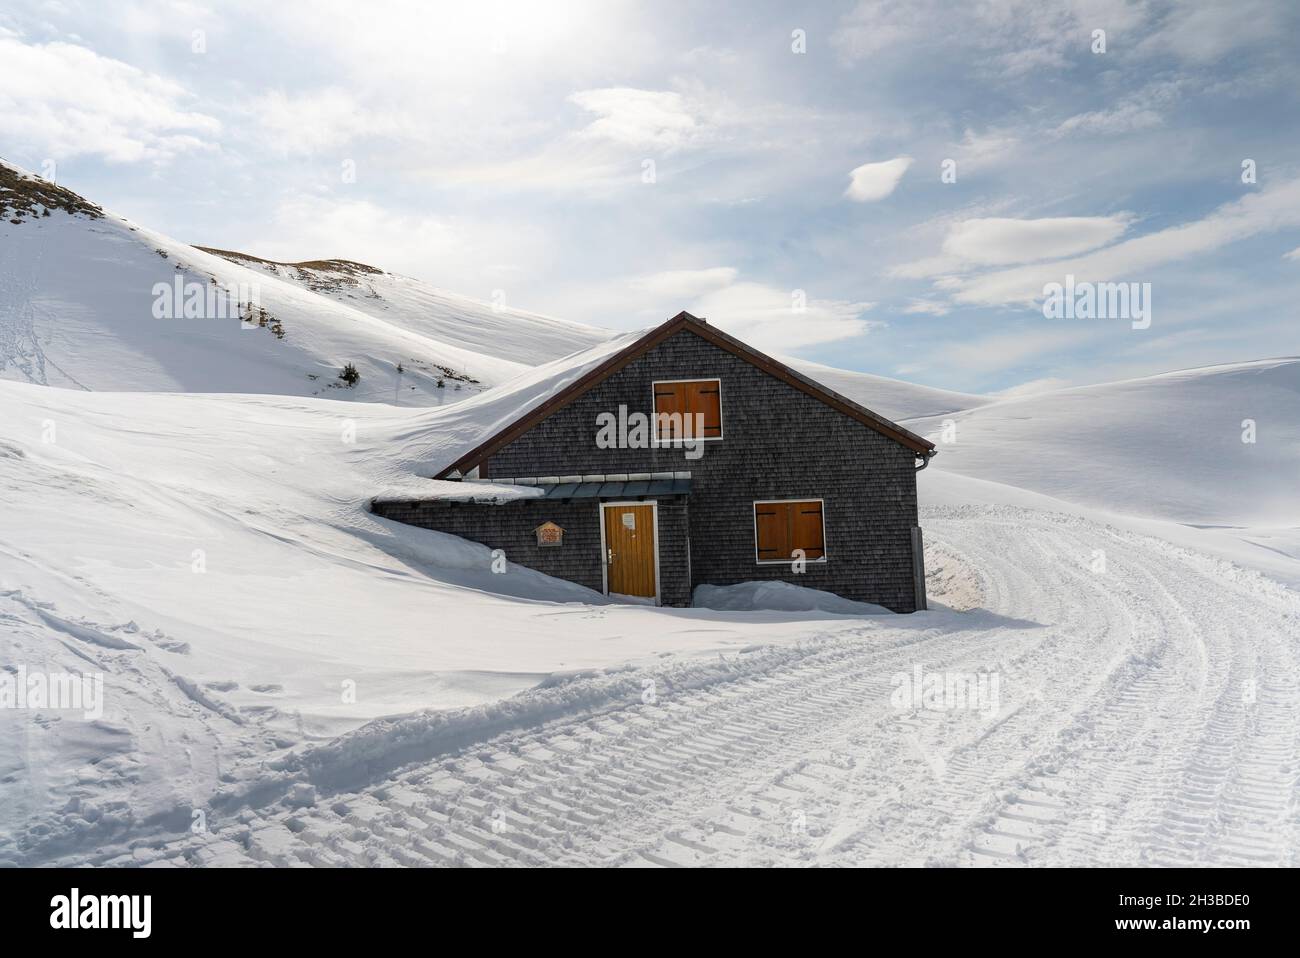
826	549
655	440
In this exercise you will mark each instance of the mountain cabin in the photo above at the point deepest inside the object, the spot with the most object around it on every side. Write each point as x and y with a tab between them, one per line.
679	457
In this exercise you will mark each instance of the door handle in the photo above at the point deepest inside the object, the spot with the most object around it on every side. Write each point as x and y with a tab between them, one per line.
610	560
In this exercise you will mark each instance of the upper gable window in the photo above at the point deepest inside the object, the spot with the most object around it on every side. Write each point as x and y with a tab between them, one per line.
688	409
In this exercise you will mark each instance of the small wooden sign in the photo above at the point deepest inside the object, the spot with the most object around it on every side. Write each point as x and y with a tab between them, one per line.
549	534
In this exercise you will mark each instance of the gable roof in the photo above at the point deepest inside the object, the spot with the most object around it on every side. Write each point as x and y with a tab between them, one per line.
642	345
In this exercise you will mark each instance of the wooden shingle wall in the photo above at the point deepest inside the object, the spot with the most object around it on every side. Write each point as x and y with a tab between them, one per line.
510	527
778	443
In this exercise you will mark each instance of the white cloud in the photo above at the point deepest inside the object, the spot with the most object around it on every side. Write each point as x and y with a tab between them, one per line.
461	54
980	151
1203	33
1266	211
684	284
1001	351
318	120
468	254
62	100
874	26
1028	36
927	307
1020	36
772	319
639	118
1293	255
875	181
608	152
1144	109
984	241
569	164
464	94
1000	240
1125	118
928	267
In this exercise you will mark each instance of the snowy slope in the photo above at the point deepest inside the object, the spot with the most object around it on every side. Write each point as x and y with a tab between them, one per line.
891	398
214	557
511	334
1119	735
77	309
1167	446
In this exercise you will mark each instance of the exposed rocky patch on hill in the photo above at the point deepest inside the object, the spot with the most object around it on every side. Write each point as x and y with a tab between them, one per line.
318	275
23	195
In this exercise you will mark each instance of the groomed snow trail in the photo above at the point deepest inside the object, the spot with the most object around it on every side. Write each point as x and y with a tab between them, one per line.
1148	714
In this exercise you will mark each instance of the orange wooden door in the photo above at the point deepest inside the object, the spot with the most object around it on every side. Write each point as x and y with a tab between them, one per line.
630	550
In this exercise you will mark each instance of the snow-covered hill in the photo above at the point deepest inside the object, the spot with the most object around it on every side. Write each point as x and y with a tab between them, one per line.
501	332
215	559
90	300
1215	446
892	398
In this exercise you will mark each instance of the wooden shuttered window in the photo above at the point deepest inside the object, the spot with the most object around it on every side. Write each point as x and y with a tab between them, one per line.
682	402
782	527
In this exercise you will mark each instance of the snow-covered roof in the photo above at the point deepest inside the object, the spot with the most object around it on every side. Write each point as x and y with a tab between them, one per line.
494	410
516	406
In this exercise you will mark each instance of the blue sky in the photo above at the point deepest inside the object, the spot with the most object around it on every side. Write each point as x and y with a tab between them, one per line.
613	163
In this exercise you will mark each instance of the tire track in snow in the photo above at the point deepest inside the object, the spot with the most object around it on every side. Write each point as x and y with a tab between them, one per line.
1044	684
1123	739
1151	777
1099	763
